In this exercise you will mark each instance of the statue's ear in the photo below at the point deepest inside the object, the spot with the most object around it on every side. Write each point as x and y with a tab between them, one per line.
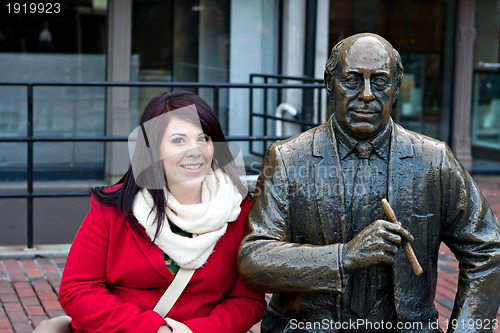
398	74
328	83
396	94
398	87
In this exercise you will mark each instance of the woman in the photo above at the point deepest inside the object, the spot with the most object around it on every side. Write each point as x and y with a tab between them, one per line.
180	204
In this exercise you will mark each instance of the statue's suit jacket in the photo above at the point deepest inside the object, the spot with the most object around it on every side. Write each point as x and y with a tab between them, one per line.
299	204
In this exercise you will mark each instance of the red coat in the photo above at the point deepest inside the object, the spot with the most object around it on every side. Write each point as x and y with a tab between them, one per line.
113	278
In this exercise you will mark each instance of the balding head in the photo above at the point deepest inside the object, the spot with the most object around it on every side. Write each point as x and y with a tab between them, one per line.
358	43
363	77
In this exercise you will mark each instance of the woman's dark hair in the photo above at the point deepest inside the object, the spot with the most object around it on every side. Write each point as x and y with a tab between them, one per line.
123	197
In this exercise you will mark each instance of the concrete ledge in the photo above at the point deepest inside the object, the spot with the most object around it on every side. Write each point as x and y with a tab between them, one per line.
40	251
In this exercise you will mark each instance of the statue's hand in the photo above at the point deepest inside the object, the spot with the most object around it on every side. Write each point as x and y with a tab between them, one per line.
378	243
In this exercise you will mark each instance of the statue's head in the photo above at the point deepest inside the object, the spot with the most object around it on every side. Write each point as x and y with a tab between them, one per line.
363	76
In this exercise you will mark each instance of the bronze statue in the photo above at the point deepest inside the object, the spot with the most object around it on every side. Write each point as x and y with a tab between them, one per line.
318	237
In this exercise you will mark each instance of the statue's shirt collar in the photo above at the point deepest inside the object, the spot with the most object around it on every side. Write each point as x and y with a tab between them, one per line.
347	144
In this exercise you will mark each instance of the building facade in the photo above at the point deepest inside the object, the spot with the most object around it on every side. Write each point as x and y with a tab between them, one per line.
451	88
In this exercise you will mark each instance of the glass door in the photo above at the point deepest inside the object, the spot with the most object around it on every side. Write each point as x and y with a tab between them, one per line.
485	131
64	46
423	33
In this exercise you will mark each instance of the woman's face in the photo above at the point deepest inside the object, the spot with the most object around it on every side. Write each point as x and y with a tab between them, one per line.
186	154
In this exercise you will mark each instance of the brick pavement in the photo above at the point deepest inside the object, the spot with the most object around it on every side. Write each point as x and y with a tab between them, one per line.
28	292
28	287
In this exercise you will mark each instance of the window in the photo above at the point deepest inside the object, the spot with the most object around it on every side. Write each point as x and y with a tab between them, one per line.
68	46
486	98
423	33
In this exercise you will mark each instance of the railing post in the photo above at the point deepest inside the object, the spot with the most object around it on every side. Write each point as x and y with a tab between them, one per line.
250	114
216	100
30	165
264	143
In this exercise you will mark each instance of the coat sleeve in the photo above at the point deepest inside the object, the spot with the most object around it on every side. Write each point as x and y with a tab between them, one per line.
472	232
83	293
238	311
240	307
268	258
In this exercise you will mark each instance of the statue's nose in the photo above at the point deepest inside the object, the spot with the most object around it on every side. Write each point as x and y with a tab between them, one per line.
367	93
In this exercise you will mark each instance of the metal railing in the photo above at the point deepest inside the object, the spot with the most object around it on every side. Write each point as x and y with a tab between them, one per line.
30	138
265	116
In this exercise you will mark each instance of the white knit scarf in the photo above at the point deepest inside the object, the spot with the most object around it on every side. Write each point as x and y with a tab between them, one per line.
207	221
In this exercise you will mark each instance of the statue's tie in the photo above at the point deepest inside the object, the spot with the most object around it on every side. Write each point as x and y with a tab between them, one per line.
361	214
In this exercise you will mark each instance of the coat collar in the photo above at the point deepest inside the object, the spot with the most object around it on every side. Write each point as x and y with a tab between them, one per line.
329	183
401	176
324	140
152	252
347	144
401	143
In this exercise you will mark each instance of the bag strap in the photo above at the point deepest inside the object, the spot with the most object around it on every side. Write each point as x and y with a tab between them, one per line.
173	292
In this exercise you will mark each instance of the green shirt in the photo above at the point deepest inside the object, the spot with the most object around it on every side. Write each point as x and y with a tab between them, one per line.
171	265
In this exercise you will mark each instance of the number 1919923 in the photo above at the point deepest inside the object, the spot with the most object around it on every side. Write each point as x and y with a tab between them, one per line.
472	324
33	8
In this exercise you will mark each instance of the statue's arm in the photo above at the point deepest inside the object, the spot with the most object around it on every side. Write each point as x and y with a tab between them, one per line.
471	230
268	259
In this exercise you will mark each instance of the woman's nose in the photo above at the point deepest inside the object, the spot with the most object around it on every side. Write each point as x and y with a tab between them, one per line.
194	150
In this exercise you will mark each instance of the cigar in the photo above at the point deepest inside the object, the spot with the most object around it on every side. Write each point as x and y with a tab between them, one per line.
412	258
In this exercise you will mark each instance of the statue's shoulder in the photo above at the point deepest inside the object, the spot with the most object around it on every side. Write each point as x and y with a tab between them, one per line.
421	144
301	143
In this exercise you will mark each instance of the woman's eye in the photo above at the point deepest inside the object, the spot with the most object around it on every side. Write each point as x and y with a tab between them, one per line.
178	140
204	138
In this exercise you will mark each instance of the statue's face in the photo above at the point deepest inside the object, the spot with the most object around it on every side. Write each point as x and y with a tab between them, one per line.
364	87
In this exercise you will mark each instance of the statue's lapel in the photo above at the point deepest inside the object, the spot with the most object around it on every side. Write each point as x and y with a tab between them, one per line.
401	197
400	182
329	185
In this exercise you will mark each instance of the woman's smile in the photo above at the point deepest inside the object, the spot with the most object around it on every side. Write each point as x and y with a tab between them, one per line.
193	167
